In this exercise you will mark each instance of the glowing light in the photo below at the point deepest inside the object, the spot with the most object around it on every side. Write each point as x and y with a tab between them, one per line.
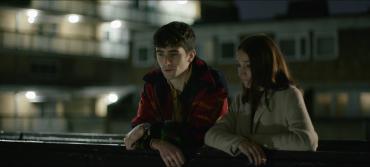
365	102
31	20
183	2
73	18
116	24
32	13
112	98
30	95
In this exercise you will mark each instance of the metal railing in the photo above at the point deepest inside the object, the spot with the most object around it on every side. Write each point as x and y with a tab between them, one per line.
33	149
63	45
128	12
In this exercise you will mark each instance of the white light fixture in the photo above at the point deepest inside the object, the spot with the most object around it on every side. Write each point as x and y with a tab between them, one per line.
32	13
182	2
30	95
73	18
112	98
31	20
116	24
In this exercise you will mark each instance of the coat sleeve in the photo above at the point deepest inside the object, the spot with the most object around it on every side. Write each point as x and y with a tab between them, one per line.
222	135
301	135
146	108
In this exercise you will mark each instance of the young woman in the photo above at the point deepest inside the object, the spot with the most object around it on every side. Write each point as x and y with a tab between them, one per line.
269	112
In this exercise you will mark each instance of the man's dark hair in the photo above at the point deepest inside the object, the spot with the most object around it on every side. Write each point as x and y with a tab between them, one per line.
175	34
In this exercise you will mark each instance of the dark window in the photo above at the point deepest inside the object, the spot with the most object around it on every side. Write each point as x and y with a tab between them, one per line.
303	47
48	29
287	47
227	50
325	46
143	54
43	68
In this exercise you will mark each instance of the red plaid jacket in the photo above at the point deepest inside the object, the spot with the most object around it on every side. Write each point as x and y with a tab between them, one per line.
204	99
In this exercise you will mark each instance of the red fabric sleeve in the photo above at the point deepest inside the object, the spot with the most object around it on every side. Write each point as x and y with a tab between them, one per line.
146	108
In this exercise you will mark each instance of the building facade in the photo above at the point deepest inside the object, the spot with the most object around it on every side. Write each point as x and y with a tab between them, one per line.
63	63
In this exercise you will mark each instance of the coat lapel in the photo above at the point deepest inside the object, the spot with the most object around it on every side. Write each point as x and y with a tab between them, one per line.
256	120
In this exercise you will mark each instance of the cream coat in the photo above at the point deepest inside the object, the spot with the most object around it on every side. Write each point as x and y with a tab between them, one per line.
285	126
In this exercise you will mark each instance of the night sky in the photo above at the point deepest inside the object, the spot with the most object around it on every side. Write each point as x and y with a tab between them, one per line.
259	9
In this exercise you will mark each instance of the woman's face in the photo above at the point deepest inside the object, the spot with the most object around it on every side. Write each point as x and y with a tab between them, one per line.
244	70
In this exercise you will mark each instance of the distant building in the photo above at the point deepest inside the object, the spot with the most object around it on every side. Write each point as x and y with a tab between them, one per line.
63	62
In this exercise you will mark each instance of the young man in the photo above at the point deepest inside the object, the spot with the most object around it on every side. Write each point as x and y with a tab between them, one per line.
180	101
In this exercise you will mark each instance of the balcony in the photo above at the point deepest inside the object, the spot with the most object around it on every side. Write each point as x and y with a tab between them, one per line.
138	14
63	45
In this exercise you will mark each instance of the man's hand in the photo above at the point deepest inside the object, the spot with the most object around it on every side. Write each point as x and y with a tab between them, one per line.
134	135
253	151
170	154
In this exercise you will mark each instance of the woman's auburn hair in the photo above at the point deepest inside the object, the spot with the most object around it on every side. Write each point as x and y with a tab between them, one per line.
268	67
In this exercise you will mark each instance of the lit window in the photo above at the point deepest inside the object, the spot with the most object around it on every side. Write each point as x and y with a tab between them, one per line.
341	104
365	103
323	102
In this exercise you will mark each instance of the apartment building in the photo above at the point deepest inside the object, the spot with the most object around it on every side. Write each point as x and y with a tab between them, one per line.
64	63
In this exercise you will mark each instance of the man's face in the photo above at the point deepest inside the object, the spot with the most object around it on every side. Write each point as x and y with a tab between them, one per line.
173	61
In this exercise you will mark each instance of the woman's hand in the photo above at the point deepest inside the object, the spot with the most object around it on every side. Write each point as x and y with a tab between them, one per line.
134	135
170	154
253	151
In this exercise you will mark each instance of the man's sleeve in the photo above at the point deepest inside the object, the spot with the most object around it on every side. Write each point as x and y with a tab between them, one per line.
146	108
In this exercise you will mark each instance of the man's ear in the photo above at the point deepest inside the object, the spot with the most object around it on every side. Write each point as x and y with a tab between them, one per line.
192	55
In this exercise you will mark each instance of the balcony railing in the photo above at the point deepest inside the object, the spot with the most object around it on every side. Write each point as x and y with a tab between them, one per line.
128	12
35	149
63	45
